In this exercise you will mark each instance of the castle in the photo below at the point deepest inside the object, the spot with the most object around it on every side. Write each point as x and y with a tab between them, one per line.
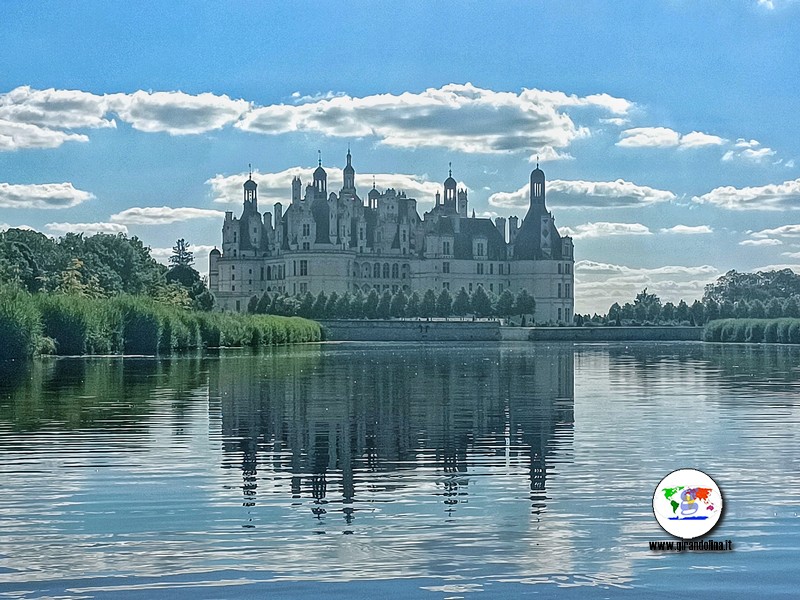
338	242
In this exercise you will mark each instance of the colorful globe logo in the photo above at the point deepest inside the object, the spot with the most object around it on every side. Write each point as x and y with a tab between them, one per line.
687	503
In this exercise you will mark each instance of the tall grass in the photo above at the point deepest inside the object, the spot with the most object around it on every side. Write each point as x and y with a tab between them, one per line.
754	331
131	325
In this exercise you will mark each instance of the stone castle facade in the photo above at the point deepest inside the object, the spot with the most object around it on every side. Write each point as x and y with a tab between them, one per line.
329	242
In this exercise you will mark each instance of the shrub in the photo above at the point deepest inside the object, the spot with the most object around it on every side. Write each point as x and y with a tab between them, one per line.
20	324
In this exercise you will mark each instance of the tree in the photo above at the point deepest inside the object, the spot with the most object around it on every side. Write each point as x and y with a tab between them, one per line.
252	305
774	309
427	307
668	312
505	304
791	308
461	303
712	309
357	305
276	306
682	312
331	306
344	306
181	255
320	306
444	304
263	304
306	307
384	309
697	313
755	309
371	304
72	282
740	309
398	306
525	304
726	310
412	306
481	305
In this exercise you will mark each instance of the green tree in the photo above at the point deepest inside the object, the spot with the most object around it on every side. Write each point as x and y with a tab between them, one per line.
306	306
461	304
252	305
667	312
755	309
697	313
712	309
398	306
682	312
740	309
344	306
774	309
384	309
444	304
615	313
263	304
319	311
505	304
181	255
525	304
427	307
481	305
791	308
412	306
726	309
332	306
371	304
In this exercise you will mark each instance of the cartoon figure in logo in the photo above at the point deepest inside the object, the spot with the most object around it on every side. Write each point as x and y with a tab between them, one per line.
689	504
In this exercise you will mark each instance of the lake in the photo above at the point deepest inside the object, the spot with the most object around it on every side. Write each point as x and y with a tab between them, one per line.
384	470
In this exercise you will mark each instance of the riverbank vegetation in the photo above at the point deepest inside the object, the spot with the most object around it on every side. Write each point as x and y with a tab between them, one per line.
69	325
754	331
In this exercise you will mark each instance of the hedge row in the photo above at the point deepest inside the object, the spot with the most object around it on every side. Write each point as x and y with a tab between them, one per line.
69	325
770	331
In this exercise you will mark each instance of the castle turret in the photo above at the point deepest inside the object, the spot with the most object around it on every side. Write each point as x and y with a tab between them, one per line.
349	176
250	195
462	203
297	187
450	193
320	181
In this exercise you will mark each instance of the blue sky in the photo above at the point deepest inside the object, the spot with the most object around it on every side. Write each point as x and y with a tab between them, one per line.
668	129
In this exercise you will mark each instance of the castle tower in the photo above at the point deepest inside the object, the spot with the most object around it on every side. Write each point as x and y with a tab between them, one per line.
320	180
537	190
349	176
462	203
250	194
450	192
297	186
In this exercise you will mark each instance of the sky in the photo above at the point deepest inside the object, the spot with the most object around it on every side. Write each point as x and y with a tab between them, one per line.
667	129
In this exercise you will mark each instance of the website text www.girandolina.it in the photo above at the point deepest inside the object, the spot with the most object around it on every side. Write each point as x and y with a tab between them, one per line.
696	545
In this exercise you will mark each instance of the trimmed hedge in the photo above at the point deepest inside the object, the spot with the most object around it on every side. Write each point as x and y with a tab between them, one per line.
71	325
754	331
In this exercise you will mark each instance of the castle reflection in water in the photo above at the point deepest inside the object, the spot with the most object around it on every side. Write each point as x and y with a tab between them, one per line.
345	424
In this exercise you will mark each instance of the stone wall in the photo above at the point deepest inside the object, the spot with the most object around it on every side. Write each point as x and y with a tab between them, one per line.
602	334
399	331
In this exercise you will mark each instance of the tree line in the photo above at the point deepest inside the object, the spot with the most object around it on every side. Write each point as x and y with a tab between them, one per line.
479	303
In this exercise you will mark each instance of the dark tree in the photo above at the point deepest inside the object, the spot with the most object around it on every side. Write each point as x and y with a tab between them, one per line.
444	304
412	306
371	304
461	303
181	255
320	306
398	306
427	307
505	304
263	304
384	309
525	304
481	305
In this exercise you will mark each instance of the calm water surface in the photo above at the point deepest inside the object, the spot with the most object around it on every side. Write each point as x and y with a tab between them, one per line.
383	470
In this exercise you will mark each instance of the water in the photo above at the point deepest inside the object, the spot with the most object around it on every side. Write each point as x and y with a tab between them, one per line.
380	470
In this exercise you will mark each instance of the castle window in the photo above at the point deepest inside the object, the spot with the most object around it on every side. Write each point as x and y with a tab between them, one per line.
376	271
446	285
238	305
294	269
386	270
233	289
303	288
480	268
361	233
445	247
567	290
233	276
303	268
480	249
491	287
395	271
559	314
499	288
568	268
445	267
306	229
559	290
559	268
491	268
500	268
404	235
306	246
262	273
234	237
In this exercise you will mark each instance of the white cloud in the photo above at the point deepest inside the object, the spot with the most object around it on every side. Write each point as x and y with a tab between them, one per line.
688	229
586	194
277	187
791	254
177	113
664	137
761	242
599	285
748	150
462	118
605	229
56	109
87	228
41	195
16	136
783	230
781	196
163	215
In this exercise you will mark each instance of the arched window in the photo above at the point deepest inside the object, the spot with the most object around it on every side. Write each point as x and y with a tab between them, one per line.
269	273
395	271
376	272
386	270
